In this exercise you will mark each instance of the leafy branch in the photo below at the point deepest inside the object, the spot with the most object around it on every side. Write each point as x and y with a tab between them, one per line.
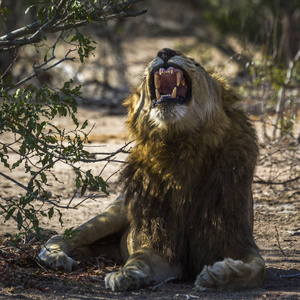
29	137
67	14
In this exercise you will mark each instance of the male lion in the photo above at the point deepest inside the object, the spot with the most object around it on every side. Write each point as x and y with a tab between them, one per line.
187	206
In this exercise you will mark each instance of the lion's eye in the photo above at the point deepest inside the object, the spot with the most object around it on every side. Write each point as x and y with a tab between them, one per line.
199	66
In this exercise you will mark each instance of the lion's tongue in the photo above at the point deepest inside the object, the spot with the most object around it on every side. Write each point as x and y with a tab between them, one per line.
167	84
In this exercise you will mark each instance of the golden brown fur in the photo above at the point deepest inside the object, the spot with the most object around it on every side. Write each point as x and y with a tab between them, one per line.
187	183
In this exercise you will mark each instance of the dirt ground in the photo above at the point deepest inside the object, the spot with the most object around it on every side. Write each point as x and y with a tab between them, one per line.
276	231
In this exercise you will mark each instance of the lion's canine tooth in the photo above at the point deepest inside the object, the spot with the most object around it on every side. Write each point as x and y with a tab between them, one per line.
157	81
157	94
171	71
161	70
174	92
178	78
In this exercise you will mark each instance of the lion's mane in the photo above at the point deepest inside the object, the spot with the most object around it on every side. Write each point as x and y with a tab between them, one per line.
188	183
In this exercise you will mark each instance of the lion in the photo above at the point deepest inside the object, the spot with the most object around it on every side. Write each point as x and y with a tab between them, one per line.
187	208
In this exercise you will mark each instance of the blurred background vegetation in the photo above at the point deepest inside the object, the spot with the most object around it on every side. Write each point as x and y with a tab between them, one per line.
261	37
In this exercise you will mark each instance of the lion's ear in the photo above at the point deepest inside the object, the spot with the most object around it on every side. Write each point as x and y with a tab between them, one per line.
135	102
229	96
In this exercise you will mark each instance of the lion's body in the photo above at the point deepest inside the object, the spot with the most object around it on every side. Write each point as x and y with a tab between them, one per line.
184	199
187	201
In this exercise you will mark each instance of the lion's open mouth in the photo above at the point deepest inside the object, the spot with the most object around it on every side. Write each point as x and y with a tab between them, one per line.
169	85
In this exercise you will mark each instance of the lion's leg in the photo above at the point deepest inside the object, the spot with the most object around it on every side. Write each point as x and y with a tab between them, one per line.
142	268
232	274
59	252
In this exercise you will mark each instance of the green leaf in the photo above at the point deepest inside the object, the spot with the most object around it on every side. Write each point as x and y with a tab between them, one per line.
70	233
28	8
85	124
60	217
103	185
75	120
44	177
22	149
83	189
19	220
4	160
50	212
16	164
11	210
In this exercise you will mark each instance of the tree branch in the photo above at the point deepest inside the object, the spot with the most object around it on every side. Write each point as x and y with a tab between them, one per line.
261	181
38	72
37	29
34	196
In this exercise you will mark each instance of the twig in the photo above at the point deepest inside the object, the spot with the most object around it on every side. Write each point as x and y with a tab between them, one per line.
163	282
36	73
109	156
94	278
279	245
36	260
261	181
289	276
92	197
30	193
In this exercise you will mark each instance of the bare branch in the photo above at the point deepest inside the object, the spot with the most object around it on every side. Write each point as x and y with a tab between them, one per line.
38	72
109	155
290	276
30	193
281	92
261	181
37	35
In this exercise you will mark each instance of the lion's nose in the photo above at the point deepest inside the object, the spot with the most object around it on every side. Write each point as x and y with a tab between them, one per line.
166	54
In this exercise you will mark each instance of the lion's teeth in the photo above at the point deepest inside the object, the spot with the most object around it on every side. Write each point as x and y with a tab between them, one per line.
174	92
157	94
157	81
178	78
171	71
161	70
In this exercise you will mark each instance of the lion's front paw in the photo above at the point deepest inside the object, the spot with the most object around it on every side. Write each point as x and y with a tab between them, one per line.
232	274
228	273
57	259
127	278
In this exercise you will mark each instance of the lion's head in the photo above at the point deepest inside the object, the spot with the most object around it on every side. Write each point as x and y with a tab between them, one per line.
177	95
